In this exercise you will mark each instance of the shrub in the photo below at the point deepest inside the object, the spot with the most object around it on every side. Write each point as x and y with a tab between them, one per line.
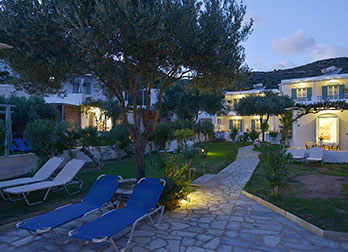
176	176
89	137
273	135
119	135
233	134
161	134
181	124
207	129
254	135
176	189
182	136
29	110
273	160
44	137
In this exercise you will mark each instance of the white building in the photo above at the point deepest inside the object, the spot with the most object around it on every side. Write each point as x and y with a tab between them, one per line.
327	127
224	123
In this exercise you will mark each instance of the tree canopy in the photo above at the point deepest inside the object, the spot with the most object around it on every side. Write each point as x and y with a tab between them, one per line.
128	45
186	103
28	110
265	105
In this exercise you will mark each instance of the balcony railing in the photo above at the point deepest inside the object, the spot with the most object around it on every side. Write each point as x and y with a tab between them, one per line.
332	97
303	99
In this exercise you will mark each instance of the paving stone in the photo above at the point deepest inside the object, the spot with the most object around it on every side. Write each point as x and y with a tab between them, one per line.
173	245
196	249
219	218
212	244
235	242
271	240
155	244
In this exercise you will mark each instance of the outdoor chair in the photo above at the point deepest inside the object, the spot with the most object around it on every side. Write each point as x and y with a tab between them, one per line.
298	154
316	154
140	205
65	177
98	196
172	148
42	174
26	141
21	145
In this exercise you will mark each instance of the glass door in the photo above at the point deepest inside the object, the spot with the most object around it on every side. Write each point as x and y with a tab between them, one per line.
327	129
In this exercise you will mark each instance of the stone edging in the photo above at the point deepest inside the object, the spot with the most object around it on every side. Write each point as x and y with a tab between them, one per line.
8	227
333	235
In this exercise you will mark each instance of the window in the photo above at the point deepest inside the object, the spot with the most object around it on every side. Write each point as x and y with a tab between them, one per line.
87	87
255	124
333	92
76	87
235	103
236	123
302	94
219	121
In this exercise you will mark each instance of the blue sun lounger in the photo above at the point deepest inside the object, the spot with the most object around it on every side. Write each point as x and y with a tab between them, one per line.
21	145
140	205
98	196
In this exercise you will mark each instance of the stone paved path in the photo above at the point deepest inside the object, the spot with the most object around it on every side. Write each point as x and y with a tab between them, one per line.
218	218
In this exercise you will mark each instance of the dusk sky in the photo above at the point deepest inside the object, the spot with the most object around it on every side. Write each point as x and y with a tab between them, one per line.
289	33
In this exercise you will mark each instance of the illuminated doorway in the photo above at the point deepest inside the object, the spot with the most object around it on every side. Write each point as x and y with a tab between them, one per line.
327	129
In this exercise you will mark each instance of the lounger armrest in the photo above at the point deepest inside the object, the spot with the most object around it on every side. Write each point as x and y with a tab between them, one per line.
20	224
100	239
72	232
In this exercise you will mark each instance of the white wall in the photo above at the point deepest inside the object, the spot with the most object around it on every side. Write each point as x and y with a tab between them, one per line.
305	129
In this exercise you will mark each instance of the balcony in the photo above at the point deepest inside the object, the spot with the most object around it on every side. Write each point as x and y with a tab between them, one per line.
332	98
71	99
301	99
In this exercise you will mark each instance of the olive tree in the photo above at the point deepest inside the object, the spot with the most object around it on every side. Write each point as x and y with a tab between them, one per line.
128	46
266	105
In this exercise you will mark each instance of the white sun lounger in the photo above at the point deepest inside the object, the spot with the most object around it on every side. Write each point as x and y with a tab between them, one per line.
64	178
42	174
316	154
298	154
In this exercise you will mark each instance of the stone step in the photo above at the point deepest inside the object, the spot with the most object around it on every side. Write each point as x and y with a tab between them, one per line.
203	179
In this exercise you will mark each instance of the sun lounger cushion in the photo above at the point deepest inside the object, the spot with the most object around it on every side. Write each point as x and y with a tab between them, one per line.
42	174
144	198
64	176
100	193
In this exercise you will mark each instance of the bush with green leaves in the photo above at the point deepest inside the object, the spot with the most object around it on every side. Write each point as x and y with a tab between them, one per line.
254	135
182	136
206	128
233	134
28	110
176	176
274	159
89	137
181	124
161	135
273	135
244	138
45	137
119	136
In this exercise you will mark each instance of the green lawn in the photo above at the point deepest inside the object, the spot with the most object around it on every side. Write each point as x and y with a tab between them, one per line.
220	155
316	206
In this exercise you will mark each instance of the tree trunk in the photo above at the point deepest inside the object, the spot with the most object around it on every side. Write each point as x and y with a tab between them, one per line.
276	190
91	156
140	161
